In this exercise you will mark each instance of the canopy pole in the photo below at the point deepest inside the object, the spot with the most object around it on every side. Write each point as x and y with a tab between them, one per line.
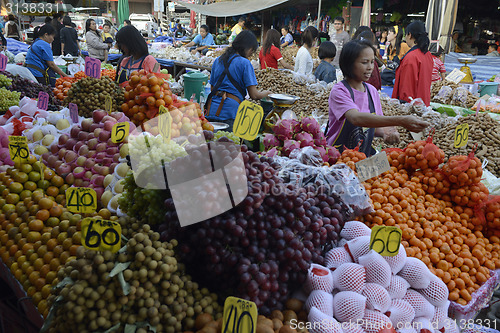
319	12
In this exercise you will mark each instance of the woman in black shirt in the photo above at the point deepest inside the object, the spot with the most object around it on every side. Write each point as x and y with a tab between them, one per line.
69	38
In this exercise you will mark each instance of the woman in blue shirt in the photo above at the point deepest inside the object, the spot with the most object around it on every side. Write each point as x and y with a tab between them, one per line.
231	77
202	41
287	38
40	59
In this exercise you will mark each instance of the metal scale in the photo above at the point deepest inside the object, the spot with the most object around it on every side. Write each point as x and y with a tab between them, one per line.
280	109
466	69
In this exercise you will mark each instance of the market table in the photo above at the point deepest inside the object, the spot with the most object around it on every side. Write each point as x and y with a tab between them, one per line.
483	69
185	65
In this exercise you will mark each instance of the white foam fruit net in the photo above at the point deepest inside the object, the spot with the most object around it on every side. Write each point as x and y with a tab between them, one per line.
416	273
440	316
321	300
422	325
349	306
436	292
319	278
422	307
349	277
398	261
336	257
398	287
321	323
353	229
342	242
374	321
377	269
358	247
377	297
401	313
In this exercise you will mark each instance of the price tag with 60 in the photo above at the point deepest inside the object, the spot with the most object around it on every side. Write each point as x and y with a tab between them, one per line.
120	132
385	240
101	235
461	135
240	316
81	200
248	120
165	123
18	149
93	67
43	100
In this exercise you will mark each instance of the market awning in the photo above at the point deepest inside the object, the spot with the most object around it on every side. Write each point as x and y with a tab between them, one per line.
231	8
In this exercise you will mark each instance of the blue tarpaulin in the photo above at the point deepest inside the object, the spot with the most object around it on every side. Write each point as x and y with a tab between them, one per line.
15	46
483	69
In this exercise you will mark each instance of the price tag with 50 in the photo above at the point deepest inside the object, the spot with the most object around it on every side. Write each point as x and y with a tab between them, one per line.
248	120
385	240
101	235
461	135
18	149
120	132
240	316
81	200
93	67
3	62
165	123
43	100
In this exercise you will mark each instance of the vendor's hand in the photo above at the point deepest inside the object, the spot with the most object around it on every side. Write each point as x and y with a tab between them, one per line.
267	93
391	136
414	124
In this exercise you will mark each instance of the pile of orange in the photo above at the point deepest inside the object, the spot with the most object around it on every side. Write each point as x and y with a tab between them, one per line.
449	238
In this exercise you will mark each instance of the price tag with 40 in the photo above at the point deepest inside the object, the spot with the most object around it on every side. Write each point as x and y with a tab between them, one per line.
240	316
81	200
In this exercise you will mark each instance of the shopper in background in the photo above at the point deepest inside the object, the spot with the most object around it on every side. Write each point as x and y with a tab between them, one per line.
270	54
48	19
414	74
354	104
69	38
202	41
95	46
287	38
3	42
492	50
326	71
107	38
365	33
231	78
382	42
12	29
303	59
396	48
58	25
135	52
238	27
5	19
40	60
339	37
438	69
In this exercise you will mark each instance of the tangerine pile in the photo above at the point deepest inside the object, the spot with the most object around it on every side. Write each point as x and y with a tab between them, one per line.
448	237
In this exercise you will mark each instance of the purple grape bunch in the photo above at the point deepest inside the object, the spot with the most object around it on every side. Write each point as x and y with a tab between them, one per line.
261	249
31	89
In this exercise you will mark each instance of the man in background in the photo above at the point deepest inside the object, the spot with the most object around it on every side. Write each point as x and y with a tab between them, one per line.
339	38
238	27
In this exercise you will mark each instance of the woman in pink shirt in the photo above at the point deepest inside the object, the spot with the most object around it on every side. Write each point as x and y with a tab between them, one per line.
135	51
355	104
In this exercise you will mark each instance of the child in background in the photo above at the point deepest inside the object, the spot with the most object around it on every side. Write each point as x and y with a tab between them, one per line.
107	38
326	71
439	70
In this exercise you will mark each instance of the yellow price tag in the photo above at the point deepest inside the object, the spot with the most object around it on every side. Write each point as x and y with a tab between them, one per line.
108	104
101	235
385	240
461	135
248	120
240	316
120	132
165	123
81	200
18	149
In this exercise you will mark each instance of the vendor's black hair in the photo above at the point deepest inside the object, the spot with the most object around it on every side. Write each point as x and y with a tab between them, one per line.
350	52
367	35
57	15
327	50
245	41
435	49
417	31
133	40
339	18
309	35
128	22
87	25
48	19
287	29
205	27
397	43
272	38
106	25
44	29
359	30
67	20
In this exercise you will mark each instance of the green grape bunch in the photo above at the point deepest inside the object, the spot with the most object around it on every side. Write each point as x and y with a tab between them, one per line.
8	98
230	135
5	81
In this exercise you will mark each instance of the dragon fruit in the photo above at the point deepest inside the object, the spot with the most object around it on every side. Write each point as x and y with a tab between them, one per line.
289	146
305	139
332	154
283	129
271	141
310	125
320	141
322	152
272	152
295	126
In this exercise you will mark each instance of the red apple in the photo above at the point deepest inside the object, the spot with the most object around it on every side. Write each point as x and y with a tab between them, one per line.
104	135
107	161
70	143
78	145
90	136
97	115
54	149
101	147
51	161
97	131
83	136
92	143
80	161
62	152
84	150
63	169
78	182
63	139
108	125
70	178
116	157
70	156
75	130
91	153
86	123
89	163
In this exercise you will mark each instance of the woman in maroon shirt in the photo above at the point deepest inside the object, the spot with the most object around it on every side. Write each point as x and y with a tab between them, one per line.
270	54
365	33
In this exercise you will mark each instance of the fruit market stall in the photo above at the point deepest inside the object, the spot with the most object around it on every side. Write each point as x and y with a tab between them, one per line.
122	210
